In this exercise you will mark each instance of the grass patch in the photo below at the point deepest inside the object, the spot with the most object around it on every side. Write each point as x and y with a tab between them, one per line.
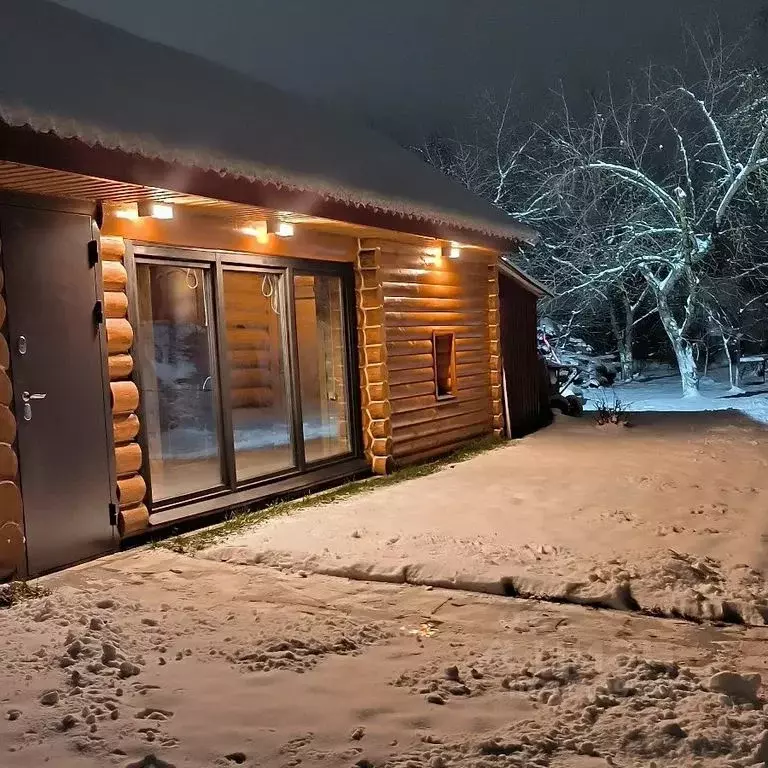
17	592
188	544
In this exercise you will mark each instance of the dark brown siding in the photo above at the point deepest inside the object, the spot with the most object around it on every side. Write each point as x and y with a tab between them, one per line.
526	395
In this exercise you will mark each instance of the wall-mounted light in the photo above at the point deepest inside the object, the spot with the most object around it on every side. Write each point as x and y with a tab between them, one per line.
280	228
127	211
452	251
155	210
256	229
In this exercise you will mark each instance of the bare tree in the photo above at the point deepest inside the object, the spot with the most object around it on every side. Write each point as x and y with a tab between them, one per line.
692	189
643	207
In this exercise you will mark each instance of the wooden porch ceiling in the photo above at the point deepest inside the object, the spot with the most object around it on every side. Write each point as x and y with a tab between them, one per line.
116	195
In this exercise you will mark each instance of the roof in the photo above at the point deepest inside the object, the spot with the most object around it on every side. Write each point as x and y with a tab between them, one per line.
531	284
63	73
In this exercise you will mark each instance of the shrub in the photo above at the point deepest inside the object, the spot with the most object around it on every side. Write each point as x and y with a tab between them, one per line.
616	412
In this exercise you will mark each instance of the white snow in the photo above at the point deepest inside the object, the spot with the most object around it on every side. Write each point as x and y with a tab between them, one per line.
155	660
661	392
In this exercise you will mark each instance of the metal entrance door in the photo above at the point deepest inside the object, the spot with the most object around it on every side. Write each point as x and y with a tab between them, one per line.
59	386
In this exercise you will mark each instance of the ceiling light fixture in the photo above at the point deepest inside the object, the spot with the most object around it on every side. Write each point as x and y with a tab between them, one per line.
281	228
257	229
148	208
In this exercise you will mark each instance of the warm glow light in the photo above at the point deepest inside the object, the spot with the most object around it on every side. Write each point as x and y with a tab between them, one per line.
452	251
257	229
280	228
155	210
130	211
285	229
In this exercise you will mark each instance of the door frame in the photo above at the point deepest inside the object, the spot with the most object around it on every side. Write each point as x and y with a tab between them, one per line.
217	261
23	200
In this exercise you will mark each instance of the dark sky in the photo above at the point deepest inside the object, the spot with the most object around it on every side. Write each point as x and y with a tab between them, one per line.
411	66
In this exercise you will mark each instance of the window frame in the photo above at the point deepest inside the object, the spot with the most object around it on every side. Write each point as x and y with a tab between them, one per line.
217	261
345	339
452	366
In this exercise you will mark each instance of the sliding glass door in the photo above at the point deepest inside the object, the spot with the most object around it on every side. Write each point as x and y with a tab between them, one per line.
178	379
244	370
322	365
255	341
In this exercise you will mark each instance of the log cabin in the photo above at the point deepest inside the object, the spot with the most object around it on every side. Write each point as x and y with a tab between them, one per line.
213	294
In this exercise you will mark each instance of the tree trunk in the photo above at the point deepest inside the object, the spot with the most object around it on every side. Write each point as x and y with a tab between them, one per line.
689	374
628	358
623	343
732	353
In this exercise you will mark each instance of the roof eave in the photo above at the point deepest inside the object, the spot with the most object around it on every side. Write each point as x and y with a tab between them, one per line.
25	145
531	284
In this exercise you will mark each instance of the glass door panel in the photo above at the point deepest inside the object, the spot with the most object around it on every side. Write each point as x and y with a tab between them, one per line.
179	387
322	365
253	310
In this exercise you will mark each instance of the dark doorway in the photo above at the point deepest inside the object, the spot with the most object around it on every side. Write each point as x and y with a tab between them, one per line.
58	371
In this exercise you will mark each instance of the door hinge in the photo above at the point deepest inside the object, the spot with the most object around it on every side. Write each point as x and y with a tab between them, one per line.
98	313
113	514
93	252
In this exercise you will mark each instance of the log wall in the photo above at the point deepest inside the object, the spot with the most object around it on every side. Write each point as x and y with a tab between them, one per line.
12	551
133	516
409	294
374	375
494	350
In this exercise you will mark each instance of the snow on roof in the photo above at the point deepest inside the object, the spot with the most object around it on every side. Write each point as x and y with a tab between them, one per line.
506	267
64	73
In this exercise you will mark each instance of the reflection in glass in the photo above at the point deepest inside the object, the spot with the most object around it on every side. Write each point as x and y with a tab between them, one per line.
253	310
322	365
178	387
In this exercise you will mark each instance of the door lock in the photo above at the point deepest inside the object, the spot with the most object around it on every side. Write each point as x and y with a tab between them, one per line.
26	397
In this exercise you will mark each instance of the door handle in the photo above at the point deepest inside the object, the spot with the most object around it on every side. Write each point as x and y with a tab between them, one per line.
26	397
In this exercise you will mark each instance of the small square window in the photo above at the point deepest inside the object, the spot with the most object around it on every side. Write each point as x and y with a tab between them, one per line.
444	354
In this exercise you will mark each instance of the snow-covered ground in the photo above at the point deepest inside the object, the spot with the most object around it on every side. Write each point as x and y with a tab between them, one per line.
660	391
156	660
668	515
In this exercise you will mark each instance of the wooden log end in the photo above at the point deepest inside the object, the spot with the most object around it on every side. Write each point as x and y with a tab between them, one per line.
112	248
379	410
132	521
12	549
124	396
7	425
6	389
9	463
115	304
128	459
380	429
381	446
119	335
120	366
113	276
125	428
381	465
131	490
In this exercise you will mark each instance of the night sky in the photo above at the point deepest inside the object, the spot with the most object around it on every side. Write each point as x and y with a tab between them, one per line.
413	66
